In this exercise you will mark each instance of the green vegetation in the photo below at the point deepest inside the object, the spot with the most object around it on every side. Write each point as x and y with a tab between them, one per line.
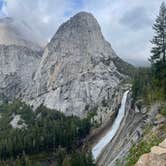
163	111
149	86
150	83
158	58
149	140
141	148
46	130
159	40
124	67
74	159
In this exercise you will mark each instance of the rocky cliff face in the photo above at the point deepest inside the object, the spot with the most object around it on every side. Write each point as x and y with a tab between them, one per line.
17	66
19	58
77	70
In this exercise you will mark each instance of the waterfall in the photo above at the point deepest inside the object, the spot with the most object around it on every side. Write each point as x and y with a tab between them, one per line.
97	149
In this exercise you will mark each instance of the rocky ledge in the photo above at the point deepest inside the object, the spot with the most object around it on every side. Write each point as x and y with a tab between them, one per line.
157	156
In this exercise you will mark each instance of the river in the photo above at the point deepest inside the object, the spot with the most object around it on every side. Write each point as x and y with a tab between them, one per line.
98	148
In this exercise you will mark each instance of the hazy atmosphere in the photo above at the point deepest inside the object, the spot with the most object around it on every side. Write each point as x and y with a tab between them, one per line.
82	83
124	23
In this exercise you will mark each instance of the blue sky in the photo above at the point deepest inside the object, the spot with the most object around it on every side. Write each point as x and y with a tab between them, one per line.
1	5
79	3
126	24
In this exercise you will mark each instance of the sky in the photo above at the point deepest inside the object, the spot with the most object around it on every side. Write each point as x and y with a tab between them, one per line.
126	24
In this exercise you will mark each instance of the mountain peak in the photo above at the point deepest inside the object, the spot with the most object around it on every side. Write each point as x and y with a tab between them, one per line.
80	32
83	20
84	15
77	68
86	20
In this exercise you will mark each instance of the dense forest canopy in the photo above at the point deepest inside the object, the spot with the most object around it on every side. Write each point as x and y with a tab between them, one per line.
44	131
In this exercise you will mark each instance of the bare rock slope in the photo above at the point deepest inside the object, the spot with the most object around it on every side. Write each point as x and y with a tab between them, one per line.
17	66
19	58
77	70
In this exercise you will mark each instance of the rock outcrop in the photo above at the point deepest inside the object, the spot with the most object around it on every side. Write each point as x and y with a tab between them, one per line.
19	58
77	70
157	156
17	66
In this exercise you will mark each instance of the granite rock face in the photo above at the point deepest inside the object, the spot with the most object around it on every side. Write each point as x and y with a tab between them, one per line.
17	66
20	55
77	70
157	156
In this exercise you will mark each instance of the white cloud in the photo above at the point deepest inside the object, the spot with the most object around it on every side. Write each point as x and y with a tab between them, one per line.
43	16
131	40
130	43
46	19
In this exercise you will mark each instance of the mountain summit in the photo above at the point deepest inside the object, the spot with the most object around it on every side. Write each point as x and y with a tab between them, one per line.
82	32
77	70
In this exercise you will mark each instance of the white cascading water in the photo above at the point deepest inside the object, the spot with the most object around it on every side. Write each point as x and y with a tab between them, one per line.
97	149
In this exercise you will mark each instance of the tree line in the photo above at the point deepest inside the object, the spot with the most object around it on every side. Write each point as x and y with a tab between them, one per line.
46	131
150	83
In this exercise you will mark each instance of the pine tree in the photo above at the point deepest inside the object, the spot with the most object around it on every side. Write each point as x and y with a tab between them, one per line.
158	58
159	41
